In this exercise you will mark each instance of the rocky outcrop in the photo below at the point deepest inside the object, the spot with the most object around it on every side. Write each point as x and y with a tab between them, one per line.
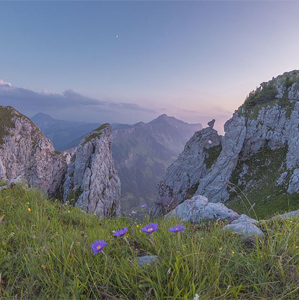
91	181
183	176
25	152
258	154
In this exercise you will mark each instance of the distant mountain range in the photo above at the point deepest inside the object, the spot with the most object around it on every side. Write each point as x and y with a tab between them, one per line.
61	132
65	134
142	152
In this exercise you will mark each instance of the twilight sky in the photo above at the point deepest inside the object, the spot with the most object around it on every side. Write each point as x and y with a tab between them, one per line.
126	62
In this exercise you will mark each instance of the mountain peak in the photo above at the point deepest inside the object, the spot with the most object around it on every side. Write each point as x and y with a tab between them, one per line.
42	116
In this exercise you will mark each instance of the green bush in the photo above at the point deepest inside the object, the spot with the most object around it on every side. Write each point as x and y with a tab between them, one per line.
261	95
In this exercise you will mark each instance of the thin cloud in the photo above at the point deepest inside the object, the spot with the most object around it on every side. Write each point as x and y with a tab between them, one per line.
5	83
71	105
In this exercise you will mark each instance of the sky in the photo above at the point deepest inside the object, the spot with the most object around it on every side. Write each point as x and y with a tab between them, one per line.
130	61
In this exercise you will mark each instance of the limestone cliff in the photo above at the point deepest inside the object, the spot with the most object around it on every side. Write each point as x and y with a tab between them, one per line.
183	176
91	181
259	154
24	151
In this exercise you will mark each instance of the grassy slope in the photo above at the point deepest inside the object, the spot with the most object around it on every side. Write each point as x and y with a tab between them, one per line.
45	254
265	168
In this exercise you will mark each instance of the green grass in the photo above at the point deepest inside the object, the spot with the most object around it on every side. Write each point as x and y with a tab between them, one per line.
45	254
212	154
3	182
96	133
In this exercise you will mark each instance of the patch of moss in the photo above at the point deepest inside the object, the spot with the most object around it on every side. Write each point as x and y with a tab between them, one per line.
191	191
6	114
73	196
212	155
3	182
289	109
263	94
260	192
96	133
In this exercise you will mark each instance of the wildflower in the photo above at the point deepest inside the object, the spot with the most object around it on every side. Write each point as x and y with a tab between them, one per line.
297	247
233	252
196	297
150	228
120	232
98	246
29	209
177	228
143	205
137	226
27	203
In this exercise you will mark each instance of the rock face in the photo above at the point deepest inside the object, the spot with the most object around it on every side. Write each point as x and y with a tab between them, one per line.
258	153
91	180
183	176
24	151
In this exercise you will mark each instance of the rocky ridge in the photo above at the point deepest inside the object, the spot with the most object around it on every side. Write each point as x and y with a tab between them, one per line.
25	151
258	152
89	180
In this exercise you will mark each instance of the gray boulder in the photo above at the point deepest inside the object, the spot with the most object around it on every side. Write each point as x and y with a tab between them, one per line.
294	182
198	208
244	218
245	229
282	178
290	214
146	260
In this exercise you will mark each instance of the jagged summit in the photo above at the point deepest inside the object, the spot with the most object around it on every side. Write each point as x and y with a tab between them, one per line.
171	120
